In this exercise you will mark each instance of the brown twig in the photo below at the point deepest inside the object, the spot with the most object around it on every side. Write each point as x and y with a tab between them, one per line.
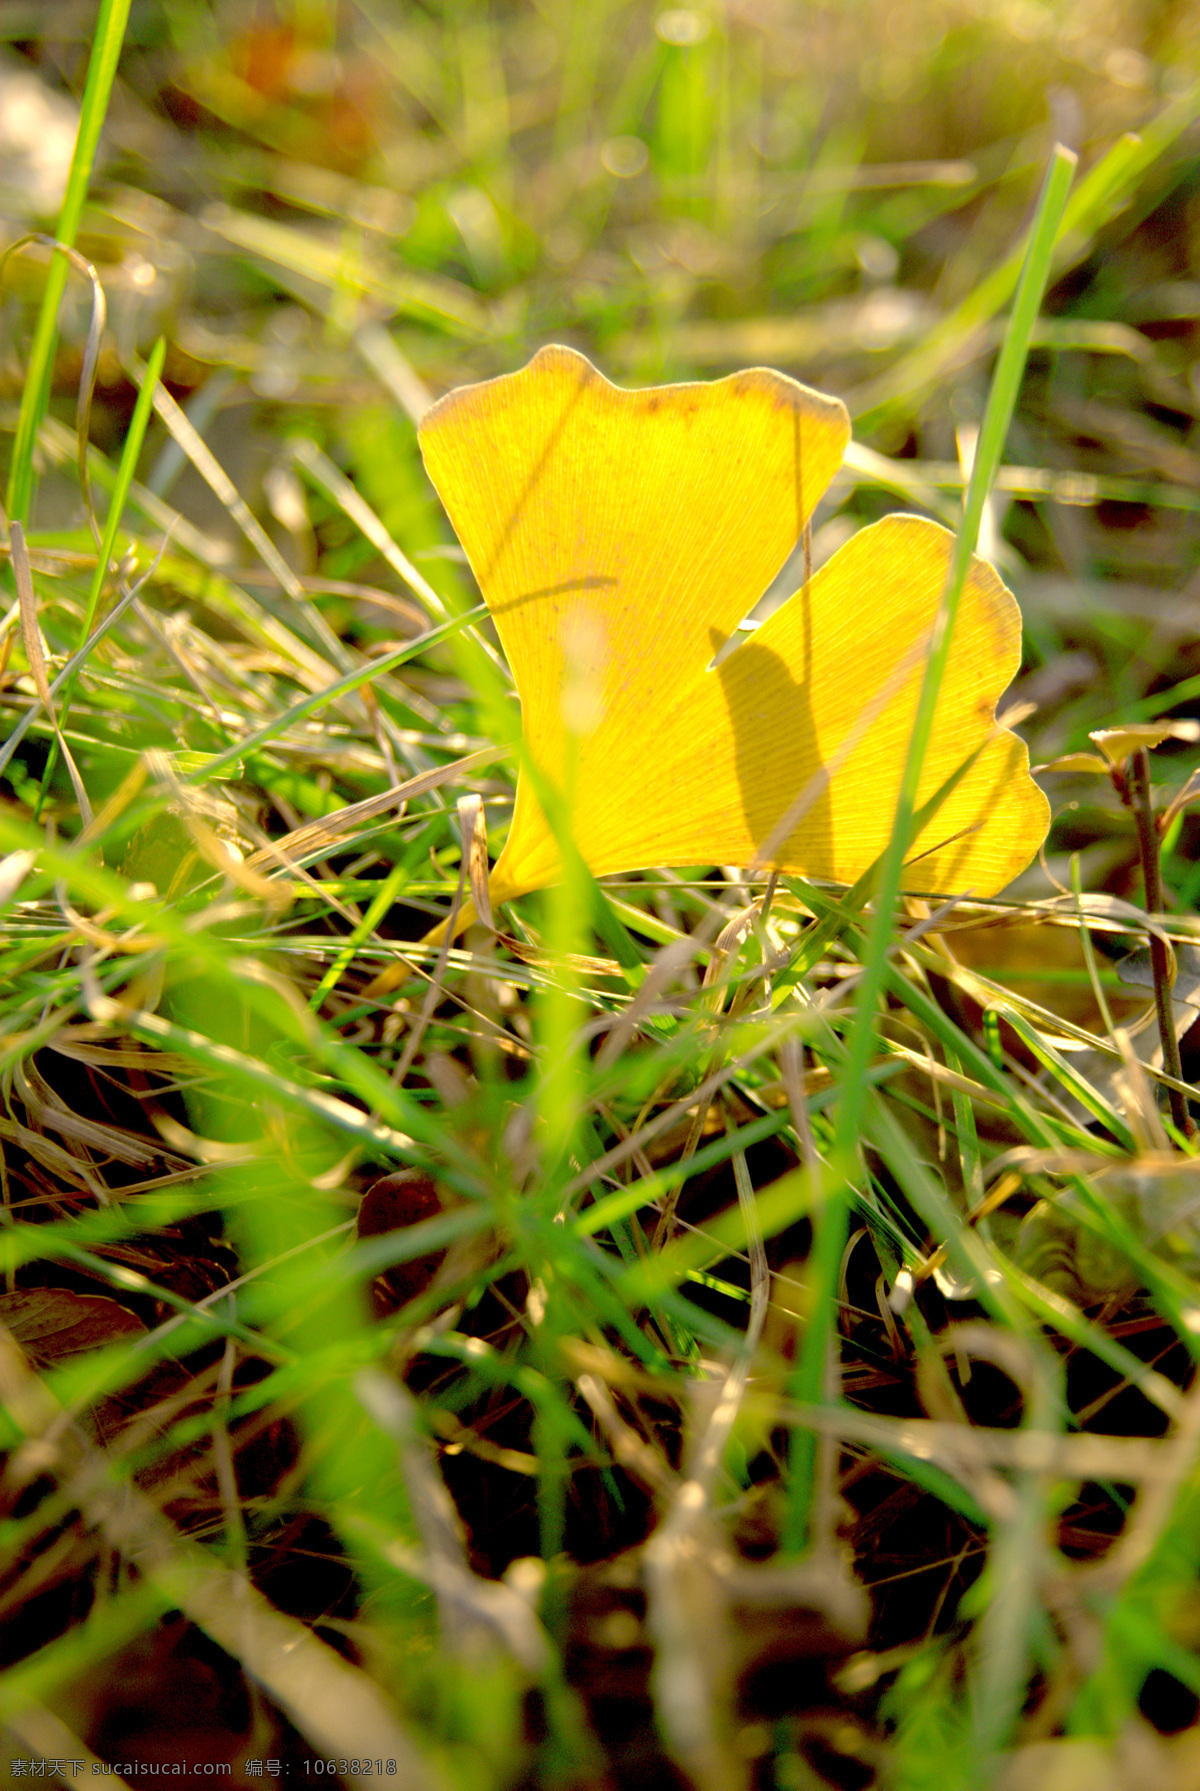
1160	957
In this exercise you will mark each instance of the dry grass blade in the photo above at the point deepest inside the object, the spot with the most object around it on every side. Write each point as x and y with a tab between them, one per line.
151	1026
474	1612
14	868
335	1705
714	983
322	470
964	1450
395	370
48	1738
222	486
473	822
317	838
1141	1109
687	1615
31	636
433	994
670	1116
66	676
687	1593
633	1452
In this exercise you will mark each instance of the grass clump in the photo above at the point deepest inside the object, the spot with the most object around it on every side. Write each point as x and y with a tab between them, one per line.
699	1329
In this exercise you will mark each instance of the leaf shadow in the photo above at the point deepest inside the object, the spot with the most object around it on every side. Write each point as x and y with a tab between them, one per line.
777	753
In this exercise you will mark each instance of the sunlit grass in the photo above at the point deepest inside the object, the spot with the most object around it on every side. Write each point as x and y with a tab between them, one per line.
582	1388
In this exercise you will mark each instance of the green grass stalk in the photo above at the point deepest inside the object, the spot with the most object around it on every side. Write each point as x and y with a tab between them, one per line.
134	438
811	1375
102	68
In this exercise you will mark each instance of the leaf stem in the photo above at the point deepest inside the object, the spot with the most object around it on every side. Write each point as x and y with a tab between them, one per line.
1160	956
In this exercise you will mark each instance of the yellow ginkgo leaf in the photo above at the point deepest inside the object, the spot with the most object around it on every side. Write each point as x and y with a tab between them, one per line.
1078	761
619	538
1117	743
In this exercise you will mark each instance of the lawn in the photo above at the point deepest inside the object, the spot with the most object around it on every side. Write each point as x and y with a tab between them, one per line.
590	1200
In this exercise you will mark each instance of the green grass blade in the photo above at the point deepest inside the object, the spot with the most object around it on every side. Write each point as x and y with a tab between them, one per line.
1100	194
1001	401
129	458
134	438
831	1213
364	674
1074	1085
106	50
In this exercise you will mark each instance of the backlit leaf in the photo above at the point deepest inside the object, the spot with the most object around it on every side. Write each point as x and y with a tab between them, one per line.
619	538
1117	743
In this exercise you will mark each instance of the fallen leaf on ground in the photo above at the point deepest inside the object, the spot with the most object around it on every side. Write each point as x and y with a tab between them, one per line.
620	538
